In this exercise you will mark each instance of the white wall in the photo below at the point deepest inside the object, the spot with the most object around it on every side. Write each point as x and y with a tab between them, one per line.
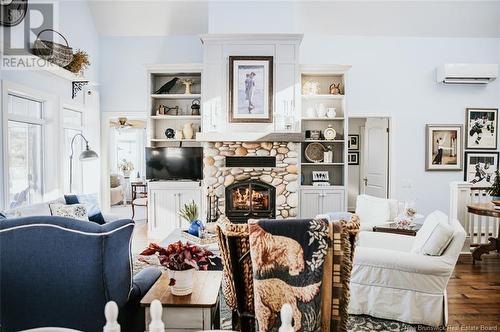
73	19
123	67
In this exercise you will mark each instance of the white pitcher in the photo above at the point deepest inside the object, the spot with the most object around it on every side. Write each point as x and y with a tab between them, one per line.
187	130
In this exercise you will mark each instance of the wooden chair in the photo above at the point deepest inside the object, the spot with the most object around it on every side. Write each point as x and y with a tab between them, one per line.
238	273
139	196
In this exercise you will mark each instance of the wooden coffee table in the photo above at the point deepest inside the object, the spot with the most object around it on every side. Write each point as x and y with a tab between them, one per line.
197	311
391	228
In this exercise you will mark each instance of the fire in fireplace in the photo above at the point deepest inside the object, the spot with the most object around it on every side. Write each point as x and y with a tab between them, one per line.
250	199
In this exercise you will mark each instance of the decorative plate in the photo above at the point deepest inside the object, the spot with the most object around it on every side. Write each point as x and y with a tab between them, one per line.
12	12
329	133
314	152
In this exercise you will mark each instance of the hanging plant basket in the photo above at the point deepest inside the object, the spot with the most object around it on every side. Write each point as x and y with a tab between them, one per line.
53	52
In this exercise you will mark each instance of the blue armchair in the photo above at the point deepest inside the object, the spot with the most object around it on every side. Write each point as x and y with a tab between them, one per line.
61	272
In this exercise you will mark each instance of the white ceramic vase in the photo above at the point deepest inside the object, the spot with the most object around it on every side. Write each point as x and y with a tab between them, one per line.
331	112
183	282
187	131
321	110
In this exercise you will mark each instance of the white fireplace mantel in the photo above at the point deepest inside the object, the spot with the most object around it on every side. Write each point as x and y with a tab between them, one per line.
250	137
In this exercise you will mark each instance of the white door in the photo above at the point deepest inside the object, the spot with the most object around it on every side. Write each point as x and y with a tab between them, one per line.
375	158
332	201
162	212
310	203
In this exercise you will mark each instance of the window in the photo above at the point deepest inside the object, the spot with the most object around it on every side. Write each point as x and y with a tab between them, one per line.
24	151
73	125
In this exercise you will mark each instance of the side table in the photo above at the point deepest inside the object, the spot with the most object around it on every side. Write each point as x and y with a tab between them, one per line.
392	228
197	311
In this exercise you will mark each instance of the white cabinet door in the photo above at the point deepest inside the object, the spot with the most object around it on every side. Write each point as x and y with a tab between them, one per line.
310	203
332	201
162	213
187	196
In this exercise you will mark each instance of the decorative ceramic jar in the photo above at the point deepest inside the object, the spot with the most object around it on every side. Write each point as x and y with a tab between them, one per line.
331	112
321	110
195	227
188	131
181	282
169	133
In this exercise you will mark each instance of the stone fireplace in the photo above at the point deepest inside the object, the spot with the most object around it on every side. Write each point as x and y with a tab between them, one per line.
253	190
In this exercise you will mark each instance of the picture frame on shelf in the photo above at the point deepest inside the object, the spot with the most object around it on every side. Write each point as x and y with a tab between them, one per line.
353	158
480	168
251	89
320	176
481	128
444	147
353	142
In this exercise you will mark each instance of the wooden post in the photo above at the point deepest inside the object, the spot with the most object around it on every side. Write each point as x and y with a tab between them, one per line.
111	314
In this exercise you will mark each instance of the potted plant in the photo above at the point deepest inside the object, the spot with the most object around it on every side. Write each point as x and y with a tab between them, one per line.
494	190
190	213
126	167
181	260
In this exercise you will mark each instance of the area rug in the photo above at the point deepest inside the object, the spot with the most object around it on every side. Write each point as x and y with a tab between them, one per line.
356	323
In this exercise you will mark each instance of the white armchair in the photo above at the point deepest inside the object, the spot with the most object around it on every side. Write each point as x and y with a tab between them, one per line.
373	211
390	281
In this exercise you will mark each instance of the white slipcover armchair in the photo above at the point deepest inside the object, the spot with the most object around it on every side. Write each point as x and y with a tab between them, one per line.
389	281
373	211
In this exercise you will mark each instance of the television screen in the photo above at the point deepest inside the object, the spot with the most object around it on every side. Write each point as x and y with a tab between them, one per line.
174	163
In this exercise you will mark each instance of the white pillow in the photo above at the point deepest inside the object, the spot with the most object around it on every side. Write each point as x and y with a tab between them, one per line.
75	211
373	210
434	236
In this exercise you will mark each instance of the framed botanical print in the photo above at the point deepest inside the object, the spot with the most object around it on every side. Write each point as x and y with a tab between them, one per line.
480	168
250	89
444	148
353	158
481	128
353	142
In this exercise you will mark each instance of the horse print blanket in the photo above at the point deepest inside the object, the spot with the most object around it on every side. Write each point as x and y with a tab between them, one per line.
287	261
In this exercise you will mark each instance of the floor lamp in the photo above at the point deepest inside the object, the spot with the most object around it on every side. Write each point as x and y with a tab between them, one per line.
86	155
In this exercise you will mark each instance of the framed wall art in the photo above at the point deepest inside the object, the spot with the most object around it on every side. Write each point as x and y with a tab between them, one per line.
353	158
250	89
480	168
444	148
353	142
481	128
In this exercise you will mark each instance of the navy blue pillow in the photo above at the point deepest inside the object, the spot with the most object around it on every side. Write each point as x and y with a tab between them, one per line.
95	216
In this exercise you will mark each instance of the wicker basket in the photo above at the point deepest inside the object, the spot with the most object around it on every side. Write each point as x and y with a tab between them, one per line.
55	53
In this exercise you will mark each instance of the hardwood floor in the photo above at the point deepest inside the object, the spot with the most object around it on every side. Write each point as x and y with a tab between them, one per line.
474	295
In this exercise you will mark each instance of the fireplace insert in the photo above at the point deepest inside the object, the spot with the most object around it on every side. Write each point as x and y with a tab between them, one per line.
250	199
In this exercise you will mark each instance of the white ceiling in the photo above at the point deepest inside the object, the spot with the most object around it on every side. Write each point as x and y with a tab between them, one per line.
344	18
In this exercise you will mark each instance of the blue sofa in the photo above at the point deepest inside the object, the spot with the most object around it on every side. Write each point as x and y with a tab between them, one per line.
61	272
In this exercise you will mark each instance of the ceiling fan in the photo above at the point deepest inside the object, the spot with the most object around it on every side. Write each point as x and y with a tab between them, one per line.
124	123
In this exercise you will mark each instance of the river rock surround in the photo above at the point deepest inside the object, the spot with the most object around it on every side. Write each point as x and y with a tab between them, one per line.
284	177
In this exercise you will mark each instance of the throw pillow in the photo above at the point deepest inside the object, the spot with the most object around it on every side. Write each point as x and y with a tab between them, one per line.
90	201
434	236
75	211
373	210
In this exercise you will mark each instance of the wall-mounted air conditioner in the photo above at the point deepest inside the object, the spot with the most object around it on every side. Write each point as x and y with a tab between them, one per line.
467	73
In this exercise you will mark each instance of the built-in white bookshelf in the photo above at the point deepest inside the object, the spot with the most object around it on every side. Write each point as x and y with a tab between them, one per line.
178	97
323	76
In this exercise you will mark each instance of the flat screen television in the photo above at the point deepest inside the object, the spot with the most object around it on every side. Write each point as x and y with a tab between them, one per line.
174	163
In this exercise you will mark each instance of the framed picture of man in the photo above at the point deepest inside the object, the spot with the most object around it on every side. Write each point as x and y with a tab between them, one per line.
443	148
481	128
480	168
250	89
